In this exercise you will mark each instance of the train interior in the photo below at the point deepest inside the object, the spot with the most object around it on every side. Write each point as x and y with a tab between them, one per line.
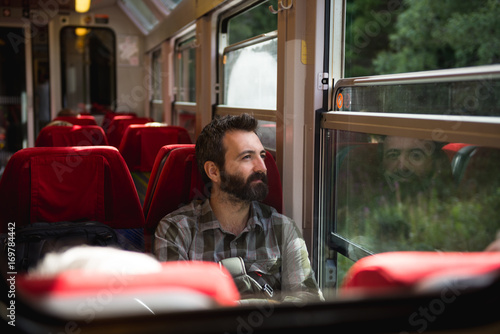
117	157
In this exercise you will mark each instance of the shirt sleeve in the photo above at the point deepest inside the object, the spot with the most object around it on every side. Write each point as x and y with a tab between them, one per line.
171	240
298	282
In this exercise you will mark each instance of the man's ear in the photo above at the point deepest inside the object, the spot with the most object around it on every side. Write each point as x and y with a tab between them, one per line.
212	171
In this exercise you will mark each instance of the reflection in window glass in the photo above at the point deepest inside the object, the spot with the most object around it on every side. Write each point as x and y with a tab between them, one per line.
185	71
250	75
404	36
399	193
88	68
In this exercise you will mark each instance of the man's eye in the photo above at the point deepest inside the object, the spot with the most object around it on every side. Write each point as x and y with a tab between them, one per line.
417	156
392	155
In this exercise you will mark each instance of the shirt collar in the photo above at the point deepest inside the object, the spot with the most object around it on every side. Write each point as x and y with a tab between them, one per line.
208	221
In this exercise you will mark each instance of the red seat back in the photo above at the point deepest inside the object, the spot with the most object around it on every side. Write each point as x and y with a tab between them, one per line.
175	181
77	120
76	135
177	286
51	184
393	271
452	148
110	115
141	143
119	124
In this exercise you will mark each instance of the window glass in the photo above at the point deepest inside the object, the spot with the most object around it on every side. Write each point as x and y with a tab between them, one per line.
471	97
267	135
399	193
170	4
254	22
88	68
185	71
186	119
141	11
384	37
156	81
250	75
156	87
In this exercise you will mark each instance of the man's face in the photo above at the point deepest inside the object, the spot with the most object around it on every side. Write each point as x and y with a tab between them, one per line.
244	174
408	159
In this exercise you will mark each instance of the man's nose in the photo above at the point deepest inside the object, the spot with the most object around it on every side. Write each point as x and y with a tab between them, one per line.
403	163
260	165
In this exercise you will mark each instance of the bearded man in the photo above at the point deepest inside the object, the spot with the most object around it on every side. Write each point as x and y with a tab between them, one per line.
233	224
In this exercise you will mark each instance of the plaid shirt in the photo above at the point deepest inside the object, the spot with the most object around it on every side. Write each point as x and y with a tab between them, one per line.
270	245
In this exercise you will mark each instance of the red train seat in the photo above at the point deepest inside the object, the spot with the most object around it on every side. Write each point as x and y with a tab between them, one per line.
175	181
76	135
53	184
119	124
77	120
452	148
398	271
141	143
176	287
110	115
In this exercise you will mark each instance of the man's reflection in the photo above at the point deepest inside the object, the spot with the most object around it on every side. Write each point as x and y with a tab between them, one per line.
413	165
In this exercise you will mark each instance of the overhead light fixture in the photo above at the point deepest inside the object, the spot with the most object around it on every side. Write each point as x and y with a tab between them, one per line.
81	31
82	6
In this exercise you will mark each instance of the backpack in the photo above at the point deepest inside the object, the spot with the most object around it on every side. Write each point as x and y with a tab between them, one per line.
32	242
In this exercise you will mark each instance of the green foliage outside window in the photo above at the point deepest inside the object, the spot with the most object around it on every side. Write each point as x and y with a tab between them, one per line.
385	37
254	22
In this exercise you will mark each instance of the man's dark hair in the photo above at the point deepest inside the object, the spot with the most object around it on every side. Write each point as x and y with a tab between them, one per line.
209	143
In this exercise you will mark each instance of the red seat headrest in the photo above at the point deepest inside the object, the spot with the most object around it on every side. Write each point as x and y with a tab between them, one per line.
141	143
176	286
77	120
119	124
396	270
76	135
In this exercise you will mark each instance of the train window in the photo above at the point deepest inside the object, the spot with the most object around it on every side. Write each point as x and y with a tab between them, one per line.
395	193
248	78
474	96
267	134
250	70
141	13
13	131
88	65
166	5
410	164
256	21
249	57
404	36
156	86
184	110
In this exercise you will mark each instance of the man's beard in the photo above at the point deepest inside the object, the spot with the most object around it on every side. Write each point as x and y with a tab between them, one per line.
236	186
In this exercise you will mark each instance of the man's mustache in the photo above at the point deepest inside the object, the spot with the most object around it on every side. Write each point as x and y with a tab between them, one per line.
258	176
